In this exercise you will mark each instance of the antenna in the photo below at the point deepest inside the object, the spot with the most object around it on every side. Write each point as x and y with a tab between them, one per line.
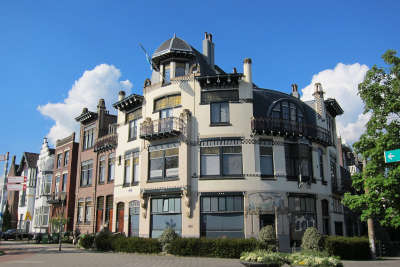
152	66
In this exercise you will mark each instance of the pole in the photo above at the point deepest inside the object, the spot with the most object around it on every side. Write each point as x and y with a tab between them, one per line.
4	191
61	225
370	221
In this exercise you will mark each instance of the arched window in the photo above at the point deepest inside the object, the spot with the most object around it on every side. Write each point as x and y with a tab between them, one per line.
286	110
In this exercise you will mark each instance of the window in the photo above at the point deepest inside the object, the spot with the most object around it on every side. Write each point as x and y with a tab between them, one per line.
65	181
22	202
134	211
170	101
86	173
109	211
164	162
298	162
266	159
325	216
221	158
303	216
165	212
99	213
102	169
59	160
287	111
135	170
167	74
334	180
66	158
321	164
57	185
80	210
88	209
119	222
127	171
337	206
219	113
166	113
88	137
222	216
180	69
48	179
111	167
339	228
133	119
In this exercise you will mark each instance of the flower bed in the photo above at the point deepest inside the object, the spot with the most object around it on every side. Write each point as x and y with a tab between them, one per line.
307	259
263	258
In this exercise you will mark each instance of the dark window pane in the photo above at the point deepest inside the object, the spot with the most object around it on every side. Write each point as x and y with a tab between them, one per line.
221	204
205	205
238	203
229	203
214	204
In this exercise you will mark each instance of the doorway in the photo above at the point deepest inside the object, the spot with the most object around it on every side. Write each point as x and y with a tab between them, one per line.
267	219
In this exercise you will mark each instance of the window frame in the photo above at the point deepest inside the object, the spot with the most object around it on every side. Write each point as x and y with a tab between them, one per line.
164	176
111	170
220	123
88	137
85	169
221	154
66	158
296	149
267	144
59	160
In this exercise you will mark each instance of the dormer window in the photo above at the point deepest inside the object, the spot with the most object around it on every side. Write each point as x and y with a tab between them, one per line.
287	111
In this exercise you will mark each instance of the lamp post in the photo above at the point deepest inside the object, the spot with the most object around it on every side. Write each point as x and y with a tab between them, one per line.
62	199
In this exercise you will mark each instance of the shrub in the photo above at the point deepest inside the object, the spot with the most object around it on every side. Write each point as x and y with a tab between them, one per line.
135	244
166	238
86	241
103	240
348	248
223	248
264	256
312	239
267	237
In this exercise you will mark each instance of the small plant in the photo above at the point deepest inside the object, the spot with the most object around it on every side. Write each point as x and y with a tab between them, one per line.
267	237
268	258
167	237
312	239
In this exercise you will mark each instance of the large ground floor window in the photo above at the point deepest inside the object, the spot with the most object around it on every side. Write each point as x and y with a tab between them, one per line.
222	216
302	215
165	213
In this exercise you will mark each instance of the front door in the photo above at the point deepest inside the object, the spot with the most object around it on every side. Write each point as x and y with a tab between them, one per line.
120	217
99	220
267	219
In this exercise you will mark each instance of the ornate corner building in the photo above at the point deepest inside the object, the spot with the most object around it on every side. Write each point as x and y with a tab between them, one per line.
209	153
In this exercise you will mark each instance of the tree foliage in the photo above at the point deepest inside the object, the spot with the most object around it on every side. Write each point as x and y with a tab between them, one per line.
58	223
380	92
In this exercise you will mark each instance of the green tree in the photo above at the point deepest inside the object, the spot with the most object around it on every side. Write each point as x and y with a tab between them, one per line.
6	219
380	92
58	223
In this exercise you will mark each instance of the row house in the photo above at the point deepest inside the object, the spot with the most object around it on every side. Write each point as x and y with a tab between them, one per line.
26	203
13	196
211	154
95	178
43	185
63	185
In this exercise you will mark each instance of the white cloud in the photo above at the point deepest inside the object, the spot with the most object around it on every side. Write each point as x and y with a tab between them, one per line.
101	82
341	83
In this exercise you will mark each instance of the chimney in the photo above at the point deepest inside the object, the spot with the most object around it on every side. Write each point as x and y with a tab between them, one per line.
101	105
121	95
208	48
319	100
295	91
247	70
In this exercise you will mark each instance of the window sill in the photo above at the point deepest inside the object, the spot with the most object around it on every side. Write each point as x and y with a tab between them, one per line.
268	177
239	177
163	180
220	124
132	139
126	185
101	183
135	184
84	186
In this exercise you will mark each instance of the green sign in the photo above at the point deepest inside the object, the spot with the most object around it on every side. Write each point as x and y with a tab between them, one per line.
392	156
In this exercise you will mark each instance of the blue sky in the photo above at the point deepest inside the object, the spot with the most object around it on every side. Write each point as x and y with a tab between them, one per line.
46	46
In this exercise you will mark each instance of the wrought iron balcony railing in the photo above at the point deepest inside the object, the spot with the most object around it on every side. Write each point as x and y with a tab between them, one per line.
275	126
162	128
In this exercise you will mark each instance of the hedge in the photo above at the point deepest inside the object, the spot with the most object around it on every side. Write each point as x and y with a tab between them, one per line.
86	241
135	244
222	248
348	248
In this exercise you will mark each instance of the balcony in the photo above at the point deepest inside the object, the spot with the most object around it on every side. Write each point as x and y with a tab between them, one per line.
275	126
55	198
162	128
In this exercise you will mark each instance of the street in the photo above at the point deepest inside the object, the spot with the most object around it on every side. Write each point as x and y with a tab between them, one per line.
20	253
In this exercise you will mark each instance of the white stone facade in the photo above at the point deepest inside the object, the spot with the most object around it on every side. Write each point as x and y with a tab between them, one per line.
203	126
